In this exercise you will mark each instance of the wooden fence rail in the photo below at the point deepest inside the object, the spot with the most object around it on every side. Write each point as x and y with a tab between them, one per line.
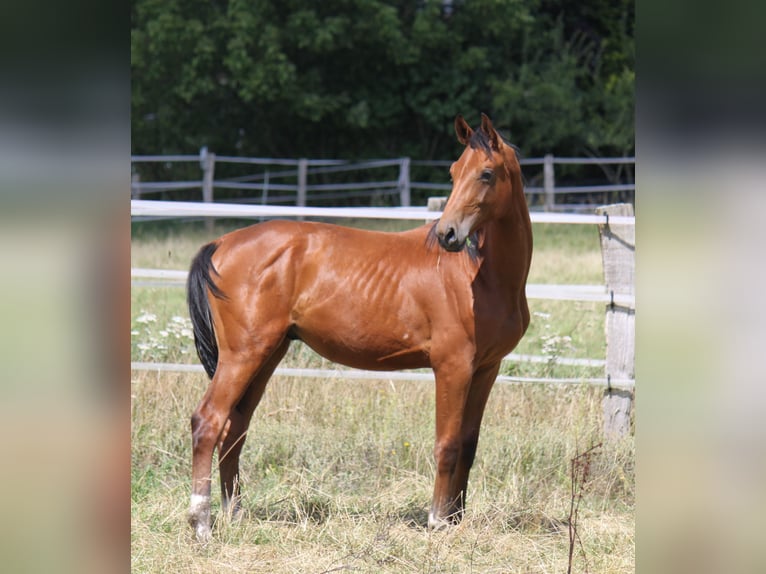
400	188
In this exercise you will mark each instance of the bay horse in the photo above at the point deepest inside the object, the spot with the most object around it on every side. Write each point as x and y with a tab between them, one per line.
449	295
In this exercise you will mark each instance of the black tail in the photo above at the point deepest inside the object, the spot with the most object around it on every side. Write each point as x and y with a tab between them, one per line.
197	285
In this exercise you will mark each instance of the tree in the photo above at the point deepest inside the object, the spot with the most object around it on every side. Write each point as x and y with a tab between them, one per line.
362	78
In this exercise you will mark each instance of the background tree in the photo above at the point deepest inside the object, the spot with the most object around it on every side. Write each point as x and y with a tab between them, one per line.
380	78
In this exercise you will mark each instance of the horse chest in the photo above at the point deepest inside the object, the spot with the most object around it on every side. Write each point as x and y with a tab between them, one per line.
499	328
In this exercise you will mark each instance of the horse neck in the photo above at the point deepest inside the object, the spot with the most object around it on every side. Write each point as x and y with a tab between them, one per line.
508	245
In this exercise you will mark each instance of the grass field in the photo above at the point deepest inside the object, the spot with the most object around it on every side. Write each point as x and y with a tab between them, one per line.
337	475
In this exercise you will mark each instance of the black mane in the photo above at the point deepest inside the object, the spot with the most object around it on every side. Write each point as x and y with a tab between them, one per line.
480	140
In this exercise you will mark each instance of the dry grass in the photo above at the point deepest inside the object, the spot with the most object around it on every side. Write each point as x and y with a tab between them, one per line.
337	475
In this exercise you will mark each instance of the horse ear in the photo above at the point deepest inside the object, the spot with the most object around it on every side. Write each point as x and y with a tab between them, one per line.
463	130
489	129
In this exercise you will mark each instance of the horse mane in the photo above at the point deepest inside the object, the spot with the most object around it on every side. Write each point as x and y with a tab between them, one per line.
480	140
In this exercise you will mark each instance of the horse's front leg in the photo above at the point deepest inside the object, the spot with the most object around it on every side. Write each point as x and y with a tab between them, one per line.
452	383
481	385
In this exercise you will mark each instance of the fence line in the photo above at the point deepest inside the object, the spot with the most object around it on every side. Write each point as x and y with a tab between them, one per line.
585	293
616	227
401	187
355	374
151	208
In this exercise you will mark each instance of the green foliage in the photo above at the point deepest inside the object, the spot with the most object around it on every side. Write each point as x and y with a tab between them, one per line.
360	78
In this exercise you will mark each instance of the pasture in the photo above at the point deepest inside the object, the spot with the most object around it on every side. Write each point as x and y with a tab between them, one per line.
337	475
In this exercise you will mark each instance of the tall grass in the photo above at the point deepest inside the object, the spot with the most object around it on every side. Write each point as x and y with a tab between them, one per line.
337	475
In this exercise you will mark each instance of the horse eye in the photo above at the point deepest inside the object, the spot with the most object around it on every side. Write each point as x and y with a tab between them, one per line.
486	175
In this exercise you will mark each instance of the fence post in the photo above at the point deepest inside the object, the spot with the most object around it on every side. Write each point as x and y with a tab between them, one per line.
303	163
135	186
549	182
300	199
265	190
436	204
404	182
207	163
618	253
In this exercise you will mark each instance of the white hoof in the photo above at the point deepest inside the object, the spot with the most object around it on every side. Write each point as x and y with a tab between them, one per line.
199	517
203	533
435	523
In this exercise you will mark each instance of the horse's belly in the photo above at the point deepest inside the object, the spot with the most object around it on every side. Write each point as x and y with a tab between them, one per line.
370	359
364	342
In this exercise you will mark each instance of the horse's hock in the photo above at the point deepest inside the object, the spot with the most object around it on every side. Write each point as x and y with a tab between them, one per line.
618	252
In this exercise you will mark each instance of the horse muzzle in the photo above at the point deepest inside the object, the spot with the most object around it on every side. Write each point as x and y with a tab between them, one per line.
450	239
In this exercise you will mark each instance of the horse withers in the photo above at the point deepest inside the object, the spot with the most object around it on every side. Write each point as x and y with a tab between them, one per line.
448	295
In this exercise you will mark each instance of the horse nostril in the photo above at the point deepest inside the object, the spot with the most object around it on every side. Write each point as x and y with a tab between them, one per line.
449	239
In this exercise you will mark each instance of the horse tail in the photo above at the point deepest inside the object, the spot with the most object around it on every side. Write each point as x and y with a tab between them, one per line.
197	286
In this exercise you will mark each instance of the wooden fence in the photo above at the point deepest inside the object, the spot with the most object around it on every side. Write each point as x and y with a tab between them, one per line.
282	180
617	230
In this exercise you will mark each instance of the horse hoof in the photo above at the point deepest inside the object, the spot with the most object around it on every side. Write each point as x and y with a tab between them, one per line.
202	531
435	524
203	534
199	518
232	511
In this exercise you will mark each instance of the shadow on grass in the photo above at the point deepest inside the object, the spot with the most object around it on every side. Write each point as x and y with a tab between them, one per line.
413	515
534	522
318	510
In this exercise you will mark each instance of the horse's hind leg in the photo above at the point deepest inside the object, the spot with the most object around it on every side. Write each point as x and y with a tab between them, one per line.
233	437
234	374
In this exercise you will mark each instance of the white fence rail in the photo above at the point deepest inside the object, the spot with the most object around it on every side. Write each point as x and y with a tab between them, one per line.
589	293
357	374
147	208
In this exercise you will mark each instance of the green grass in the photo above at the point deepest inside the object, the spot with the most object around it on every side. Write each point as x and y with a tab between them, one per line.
337	475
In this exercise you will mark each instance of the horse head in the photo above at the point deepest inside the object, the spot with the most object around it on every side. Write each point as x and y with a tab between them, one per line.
483	179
